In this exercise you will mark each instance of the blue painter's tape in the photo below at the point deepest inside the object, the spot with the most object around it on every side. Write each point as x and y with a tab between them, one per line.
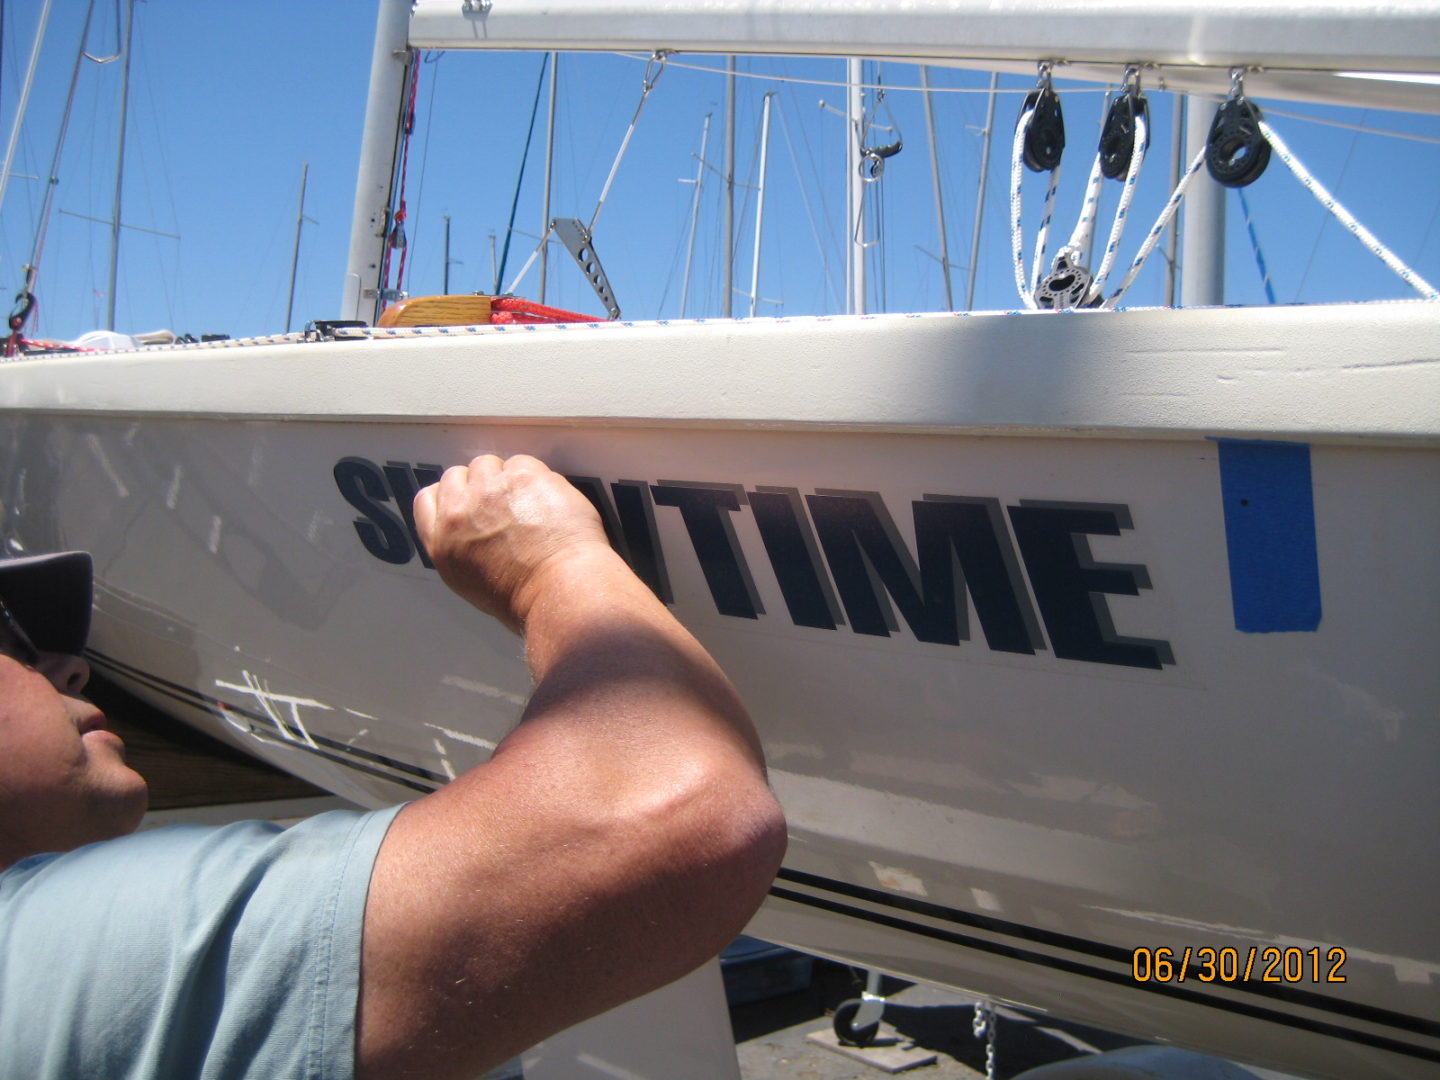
1270	533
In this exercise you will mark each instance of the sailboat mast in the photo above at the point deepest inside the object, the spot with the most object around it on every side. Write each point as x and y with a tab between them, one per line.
980	193
935	183
1202	216
694	213
445	272
854	183
299	224
388	66
32	270
120	175
727	296
760	204
24	99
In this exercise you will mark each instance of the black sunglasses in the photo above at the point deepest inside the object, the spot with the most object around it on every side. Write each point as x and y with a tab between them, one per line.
14	642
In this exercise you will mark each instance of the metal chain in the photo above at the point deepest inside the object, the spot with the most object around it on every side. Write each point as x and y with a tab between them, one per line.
983	1026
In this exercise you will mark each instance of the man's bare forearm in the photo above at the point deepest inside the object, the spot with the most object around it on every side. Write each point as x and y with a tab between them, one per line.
593	632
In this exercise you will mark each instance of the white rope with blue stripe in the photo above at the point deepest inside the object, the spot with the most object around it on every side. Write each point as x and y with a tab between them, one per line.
1122	209
1017	237
1157	229
1364	235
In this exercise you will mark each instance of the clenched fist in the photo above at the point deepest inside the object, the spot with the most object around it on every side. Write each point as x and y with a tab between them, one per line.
497	527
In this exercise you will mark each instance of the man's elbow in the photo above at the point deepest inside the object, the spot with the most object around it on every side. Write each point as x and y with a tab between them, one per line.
723	856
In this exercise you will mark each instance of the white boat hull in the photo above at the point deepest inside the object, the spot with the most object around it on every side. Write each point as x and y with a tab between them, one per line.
1030	702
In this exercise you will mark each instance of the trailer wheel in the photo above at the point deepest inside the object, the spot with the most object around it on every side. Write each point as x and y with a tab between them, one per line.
846	1032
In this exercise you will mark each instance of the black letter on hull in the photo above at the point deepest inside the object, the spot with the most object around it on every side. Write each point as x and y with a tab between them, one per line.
379	530
631	532
706	510
959	543
1070	585
404	482
780	517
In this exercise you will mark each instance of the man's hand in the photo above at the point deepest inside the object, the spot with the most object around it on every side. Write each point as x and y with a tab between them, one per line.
495	527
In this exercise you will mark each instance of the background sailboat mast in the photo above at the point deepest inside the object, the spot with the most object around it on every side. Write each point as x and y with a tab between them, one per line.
854	183
760	204
120	176
699	182
299	224
935	183
24	99
727	294
980	193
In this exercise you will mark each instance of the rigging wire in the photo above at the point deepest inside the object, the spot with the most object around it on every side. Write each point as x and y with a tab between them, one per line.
659	59
429	58
25	302
1366	129
827	278
1255	247
705	69
841	84
1320	232
520	179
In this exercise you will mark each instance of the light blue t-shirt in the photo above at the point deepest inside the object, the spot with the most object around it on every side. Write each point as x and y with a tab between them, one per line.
194	952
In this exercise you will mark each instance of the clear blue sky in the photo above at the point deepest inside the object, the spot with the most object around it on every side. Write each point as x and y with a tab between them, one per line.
228	101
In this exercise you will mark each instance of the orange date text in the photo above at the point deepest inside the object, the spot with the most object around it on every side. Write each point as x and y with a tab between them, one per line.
1255	963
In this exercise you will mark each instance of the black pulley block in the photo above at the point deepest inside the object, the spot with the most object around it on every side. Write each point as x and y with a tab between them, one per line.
1117	137
1045	141
1237	151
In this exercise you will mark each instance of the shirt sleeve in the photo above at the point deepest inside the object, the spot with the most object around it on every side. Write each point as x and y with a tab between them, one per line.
227	953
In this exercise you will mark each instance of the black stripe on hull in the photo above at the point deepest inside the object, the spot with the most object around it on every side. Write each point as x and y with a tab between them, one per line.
1020	953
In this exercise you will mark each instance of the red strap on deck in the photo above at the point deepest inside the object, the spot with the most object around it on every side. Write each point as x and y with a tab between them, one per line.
512	309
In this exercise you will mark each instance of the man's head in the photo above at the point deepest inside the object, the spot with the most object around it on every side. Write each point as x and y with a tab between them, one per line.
63	777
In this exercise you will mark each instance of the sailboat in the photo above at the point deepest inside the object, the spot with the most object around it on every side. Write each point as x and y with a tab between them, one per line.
1091	647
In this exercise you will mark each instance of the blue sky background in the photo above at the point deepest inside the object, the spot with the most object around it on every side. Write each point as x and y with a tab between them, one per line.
228	100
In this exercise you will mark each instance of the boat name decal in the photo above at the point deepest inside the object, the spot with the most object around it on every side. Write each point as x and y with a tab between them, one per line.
837	557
